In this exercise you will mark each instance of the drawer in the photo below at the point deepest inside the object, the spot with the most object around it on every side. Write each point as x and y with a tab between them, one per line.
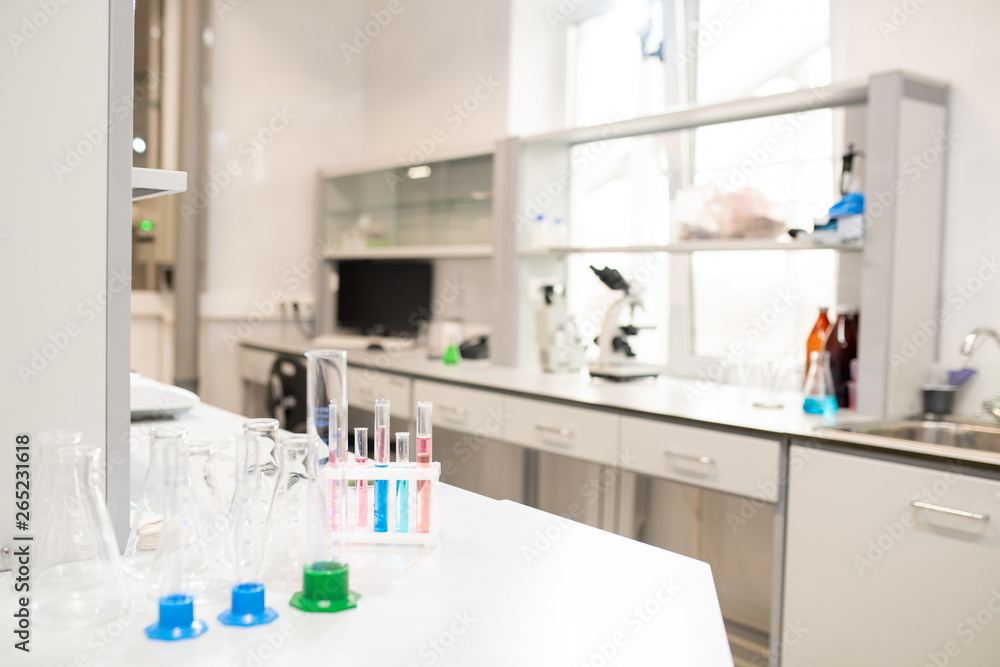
739	464
463	410
364	385
578	432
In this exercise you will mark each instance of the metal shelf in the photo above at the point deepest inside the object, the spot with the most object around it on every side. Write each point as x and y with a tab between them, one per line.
468	251
707	245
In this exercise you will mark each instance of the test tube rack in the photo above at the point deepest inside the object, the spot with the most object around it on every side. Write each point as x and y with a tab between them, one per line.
354	534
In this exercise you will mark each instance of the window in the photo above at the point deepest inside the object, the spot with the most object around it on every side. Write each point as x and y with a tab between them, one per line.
651	191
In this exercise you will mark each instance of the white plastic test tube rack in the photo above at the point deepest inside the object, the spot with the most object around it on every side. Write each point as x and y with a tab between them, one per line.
393	472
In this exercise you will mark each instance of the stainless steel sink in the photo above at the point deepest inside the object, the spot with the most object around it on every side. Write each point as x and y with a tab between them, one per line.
967	434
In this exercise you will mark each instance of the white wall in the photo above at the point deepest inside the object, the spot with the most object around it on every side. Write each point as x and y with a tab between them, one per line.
959	42
344	109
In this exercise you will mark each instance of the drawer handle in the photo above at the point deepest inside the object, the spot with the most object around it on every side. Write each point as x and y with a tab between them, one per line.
555	430
703	460
454	409
947	510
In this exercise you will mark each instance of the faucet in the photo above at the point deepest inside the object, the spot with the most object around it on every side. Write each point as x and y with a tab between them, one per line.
970	339
990	405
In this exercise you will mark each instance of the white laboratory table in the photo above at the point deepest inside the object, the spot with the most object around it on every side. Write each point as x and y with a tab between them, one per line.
506	585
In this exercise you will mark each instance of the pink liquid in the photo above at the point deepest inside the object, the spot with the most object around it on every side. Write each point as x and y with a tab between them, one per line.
423	486
362	497
382	445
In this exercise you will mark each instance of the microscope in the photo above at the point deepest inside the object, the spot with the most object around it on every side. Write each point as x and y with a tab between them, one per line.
615	361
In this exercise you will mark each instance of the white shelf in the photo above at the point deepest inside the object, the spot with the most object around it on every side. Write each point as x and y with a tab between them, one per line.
149	183
694	246
468	251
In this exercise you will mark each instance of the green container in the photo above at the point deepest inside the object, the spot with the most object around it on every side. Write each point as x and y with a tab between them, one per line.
325	588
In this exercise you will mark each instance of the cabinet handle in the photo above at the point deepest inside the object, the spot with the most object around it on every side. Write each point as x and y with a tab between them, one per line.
555	430
947	510
457	410
704	460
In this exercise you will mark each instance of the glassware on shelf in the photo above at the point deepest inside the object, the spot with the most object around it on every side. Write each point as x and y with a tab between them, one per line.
178	576
194	554
820	393
324	573
147	519
78	579
248	594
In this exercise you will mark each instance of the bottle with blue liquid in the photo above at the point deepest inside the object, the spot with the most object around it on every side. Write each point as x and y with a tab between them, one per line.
820	395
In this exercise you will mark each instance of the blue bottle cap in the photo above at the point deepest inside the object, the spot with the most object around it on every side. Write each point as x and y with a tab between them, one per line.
176	619
248	607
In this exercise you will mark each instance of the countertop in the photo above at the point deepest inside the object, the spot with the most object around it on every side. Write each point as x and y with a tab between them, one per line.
701	402
506	585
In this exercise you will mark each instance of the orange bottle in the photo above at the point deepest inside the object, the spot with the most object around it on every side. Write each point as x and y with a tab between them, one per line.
817	337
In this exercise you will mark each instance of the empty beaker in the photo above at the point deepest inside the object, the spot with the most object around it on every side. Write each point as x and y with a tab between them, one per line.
78	579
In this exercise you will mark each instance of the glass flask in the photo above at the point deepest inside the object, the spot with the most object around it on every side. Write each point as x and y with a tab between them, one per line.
181	560
285	551
193	555
248	594
820	394
147	518
77	579
267	467
324	575
213	524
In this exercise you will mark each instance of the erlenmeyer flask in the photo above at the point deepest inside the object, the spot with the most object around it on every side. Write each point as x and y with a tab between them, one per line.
214	529
285	551
190	555
78	579
147	519
820	394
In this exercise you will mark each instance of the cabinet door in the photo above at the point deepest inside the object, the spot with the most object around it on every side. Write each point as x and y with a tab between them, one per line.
364	385
872	579
578	433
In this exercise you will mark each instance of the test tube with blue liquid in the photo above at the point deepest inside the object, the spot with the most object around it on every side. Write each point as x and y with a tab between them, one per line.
402	485
381	461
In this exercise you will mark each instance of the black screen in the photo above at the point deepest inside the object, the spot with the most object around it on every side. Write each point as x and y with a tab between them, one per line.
383	298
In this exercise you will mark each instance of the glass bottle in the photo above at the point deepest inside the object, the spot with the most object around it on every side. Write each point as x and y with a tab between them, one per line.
817	337
842	344
77	578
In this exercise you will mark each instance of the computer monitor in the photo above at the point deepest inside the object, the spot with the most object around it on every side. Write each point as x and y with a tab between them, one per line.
383	298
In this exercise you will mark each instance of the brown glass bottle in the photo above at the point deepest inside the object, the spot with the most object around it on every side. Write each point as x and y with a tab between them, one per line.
842	344
817	337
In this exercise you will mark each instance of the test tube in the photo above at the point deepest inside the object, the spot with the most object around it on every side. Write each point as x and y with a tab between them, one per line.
424	461
381	461
361	485
402	485
337	458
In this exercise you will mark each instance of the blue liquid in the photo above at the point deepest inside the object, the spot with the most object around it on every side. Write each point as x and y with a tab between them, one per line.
402	506
819	405
381	505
